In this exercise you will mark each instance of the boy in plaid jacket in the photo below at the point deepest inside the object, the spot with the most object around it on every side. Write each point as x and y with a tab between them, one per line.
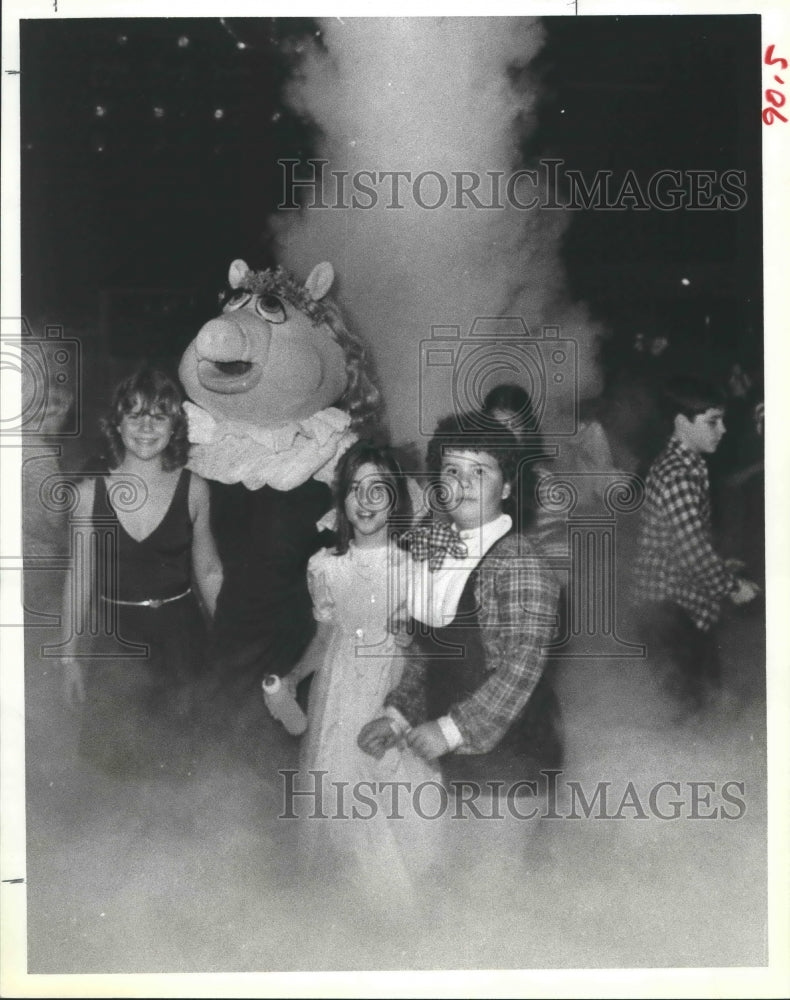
475	692
681	581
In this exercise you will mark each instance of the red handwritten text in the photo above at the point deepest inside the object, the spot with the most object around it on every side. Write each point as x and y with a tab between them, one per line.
774	97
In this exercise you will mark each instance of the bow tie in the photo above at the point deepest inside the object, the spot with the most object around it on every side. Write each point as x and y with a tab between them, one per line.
433	543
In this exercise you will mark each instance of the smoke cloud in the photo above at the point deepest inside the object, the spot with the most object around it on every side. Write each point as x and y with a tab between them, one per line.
450	97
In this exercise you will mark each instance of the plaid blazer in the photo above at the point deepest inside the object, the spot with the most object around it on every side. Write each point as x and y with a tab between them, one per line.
517	598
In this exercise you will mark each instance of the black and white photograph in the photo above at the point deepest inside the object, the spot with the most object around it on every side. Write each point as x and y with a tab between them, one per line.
392	540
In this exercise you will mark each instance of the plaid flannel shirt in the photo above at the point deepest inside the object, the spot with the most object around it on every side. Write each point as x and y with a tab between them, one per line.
517	597
676	560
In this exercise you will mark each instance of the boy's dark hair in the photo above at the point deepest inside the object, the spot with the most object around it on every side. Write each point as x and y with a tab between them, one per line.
513	399
157	392
690	397
475	432
399	502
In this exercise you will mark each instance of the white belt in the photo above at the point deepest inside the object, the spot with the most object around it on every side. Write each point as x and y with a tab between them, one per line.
153	602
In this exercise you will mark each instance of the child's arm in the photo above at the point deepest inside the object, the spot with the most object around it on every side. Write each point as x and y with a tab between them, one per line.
400	623
206	564
408	698
323	612
518	618
682	499
428	740
404	706
313	657
77	594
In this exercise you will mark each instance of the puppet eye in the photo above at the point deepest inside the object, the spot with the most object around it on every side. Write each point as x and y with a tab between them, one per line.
237	300
271	308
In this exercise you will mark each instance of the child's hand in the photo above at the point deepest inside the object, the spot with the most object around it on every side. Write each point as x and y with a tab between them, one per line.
399	629
428	740
73	684
747	591
377	737
402	639
735	565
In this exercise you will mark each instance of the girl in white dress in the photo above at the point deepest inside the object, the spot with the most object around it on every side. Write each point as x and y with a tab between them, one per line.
358	591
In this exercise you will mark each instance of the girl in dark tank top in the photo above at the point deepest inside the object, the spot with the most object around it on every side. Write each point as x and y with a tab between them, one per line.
152	543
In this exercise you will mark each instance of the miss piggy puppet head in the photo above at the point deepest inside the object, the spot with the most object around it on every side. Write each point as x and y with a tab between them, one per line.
277	353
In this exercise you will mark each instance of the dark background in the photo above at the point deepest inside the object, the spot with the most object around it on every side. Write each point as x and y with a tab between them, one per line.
130	216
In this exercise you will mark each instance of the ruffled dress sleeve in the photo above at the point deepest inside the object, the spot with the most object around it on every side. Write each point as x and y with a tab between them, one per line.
318	583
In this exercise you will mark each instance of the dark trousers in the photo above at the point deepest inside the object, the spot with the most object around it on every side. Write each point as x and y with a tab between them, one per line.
690	655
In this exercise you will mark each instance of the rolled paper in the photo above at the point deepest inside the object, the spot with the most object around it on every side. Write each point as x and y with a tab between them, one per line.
283	706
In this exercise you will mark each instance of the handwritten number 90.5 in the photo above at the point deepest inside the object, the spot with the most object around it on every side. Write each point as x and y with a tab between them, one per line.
774	97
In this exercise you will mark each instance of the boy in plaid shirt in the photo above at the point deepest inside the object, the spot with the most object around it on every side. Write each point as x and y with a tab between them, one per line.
474	692
680	579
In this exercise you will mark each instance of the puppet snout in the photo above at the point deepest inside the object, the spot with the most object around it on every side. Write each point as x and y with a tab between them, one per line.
225	339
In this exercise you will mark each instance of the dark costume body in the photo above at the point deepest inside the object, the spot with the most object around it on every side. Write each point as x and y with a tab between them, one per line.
138	716
264	621
265	538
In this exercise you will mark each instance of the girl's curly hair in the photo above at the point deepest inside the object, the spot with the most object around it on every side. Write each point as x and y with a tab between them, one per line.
149	390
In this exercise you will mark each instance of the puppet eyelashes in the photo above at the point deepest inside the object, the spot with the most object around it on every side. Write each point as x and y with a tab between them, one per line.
238	301
268	306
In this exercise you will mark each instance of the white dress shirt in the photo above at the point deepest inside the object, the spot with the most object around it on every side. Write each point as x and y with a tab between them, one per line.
433	597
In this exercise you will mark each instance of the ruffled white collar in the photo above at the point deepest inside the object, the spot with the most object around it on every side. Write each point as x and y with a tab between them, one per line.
235	451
